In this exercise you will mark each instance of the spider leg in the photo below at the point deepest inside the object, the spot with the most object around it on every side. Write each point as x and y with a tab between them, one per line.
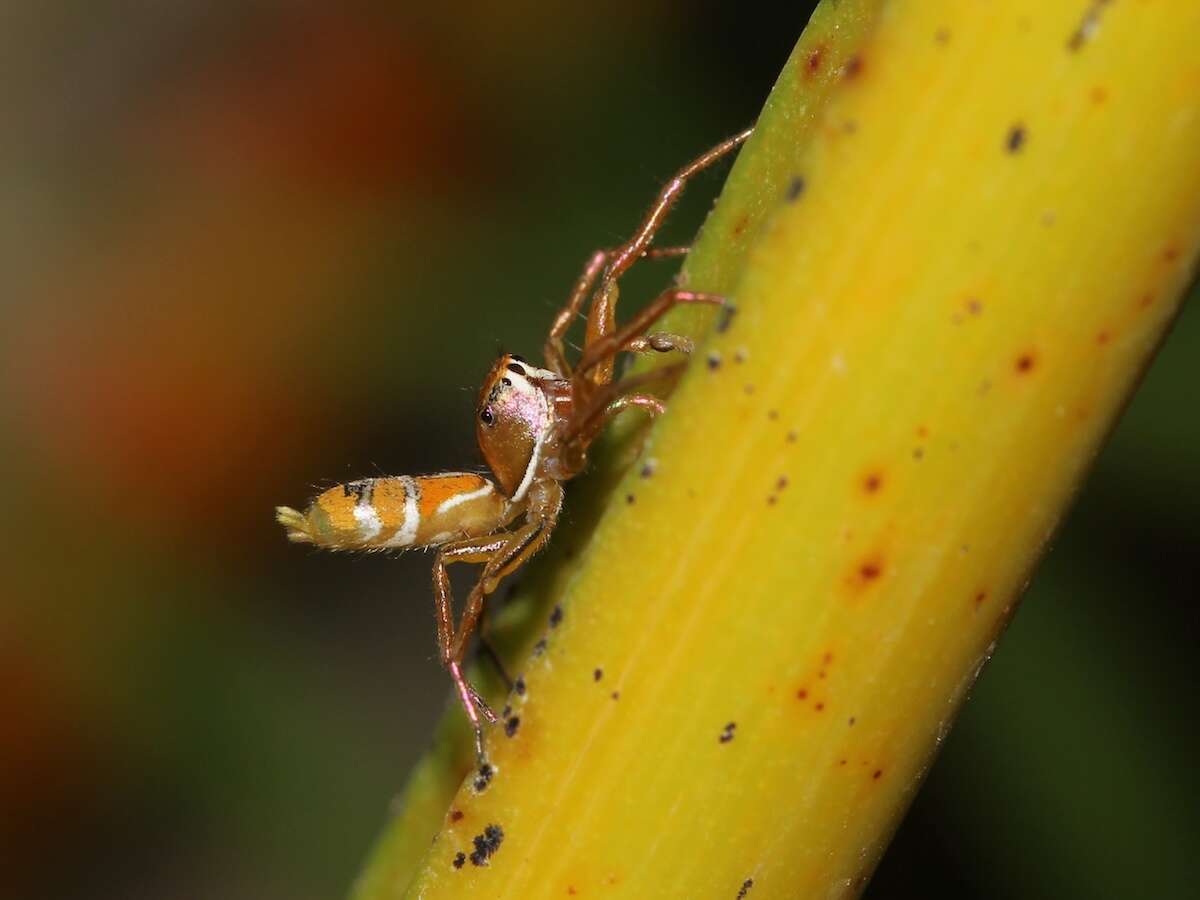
553	351
598	353
501	554
473	550
660	342
627	254
601	322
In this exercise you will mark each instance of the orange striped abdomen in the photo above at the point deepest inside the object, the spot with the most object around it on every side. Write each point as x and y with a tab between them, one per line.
380	513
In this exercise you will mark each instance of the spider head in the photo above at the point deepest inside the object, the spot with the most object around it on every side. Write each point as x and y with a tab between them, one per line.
513	421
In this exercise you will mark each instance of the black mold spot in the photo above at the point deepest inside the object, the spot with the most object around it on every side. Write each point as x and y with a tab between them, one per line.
795	189
726	734
725	318
1016	138
484	778
745	888
486	844
511	724
556	615
459	859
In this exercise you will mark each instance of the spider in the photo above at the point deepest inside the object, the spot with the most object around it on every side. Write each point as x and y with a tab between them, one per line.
534	426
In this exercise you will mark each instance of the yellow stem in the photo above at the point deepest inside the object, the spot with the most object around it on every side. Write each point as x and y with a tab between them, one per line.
954	243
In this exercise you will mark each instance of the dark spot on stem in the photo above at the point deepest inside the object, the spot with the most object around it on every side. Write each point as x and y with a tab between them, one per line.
802	694
792	437
1087	26
484	778
942	35
812	63
725	317
556	616
486	844
630	499
648	468
511	724
726	734
745	888
781	482
459	859
878	773
1025	362
540	647
873	483
519	686
795	189
597	674
713	360
456	815
853	68
1016	138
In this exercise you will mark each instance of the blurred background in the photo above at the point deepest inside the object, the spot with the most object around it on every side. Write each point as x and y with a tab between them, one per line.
246	247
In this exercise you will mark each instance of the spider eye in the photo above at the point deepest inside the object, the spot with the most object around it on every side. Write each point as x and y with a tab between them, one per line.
486	416
507	382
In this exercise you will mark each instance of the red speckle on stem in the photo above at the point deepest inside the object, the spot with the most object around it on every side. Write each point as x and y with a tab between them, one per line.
802	694
873	482
868	571
1025	362
877	774
812	64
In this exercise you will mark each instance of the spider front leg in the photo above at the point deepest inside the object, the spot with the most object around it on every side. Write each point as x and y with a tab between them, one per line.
553	351
598	353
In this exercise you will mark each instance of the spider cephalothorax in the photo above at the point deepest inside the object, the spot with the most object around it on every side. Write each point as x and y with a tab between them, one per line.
534	426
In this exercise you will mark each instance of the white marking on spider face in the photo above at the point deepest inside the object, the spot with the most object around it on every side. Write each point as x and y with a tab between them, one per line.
407	532
534	459
458	499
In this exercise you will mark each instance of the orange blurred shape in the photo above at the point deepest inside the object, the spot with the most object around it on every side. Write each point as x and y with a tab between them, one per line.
327	98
